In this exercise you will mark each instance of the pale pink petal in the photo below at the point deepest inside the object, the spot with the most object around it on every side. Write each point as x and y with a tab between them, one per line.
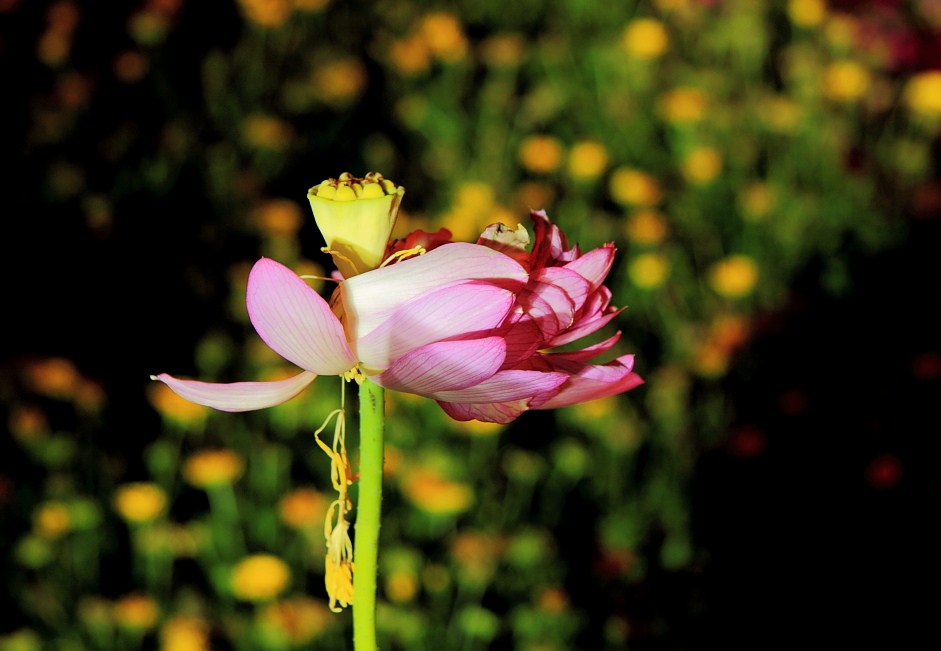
588	353
465	310
594	265
372	297
505	386
592	381
238	396
488	412
444	366
583	329
295	321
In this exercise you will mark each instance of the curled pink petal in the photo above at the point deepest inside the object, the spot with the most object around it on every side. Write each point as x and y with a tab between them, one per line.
583	329
594	265
489	412
371	298
444	366
238	396
587	353
505	386
465	310
592	381
295	321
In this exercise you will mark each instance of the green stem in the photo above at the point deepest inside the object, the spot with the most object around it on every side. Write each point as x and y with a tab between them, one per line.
368	512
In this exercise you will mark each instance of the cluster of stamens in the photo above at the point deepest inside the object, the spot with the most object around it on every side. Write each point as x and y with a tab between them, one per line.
350	188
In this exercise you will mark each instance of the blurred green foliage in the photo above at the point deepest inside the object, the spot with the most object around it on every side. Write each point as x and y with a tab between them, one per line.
722	146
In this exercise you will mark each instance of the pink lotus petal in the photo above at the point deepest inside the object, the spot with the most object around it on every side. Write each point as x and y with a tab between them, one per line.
465	310
594	265
295	321
372	297
583	329
488	412
238	396
505	386
592	381
444	366
575	287
588	353
523	338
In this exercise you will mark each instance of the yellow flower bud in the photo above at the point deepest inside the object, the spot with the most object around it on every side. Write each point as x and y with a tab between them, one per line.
356	217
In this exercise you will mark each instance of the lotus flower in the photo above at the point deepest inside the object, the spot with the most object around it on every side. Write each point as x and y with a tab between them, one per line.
468	325
563	301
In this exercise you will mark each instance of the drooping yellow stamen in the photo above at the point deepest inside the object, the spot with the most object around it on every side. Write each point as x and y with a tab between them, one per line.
338	577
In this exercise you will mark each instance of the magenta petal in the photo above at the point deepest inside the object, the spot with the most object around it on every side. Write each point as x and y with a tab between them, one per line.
489	412
464	310
573	286
592	381
587	353
444	366
371	298
594	265
295	321
583	328
238	396
505	386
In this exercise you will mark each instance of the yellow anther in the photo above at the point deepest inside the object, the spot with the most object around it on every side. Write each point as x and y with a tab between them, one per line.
405	253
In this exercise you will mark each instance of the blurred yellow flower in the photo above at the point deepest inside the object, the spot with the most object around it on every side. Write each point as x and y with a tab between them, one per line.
645	38
782	114
476	428
553	601
266	13
587	160
646	227
136	612
184	633
710	360
632	187
841	31
55	377
340	82
300	620
266	132
533	195
409	55
682	105
279	217
130	66
303	508
541	154
444	36
140	501
756	201
734	276
401	585
259	577
594	410
923	93
648	270
845	81
476	555
213	467
503	50
28	423
53	48
52	519
806	13
429	491
702	165
173	407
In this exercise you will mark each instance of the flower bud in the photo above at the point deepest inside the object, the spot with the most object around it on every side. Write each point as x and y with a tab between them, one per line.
356	216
